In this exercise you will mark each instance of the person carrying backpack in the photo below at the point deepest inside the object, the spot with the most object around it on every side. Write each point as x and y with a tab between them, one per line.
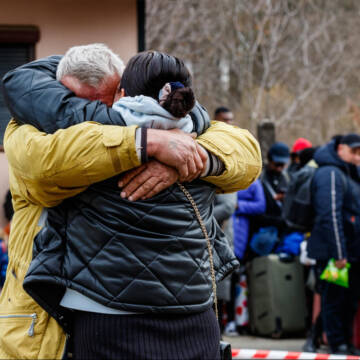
335	234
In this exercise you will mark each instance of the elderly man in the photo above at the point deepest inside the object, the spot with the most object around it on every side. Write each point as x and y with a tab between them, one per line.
42	174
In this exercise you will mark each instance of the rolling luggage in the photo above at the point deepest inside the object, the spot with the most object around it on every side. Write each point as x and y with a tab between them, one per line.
277	304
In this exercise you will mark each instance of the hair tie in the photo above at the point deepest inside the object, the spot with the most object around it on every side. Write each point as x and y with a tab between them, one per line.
176	85
167	89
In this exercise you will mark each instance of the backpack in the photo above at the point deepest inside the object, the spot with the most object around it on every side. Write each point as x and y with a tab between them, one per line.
297	210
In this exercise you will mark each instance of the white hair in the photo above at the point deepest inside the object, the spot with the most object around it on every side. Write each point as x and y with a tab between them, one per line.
90	64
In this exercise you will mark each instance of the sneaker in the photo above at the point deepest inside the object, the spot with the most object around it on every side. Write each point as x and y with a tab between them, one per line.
309	346
353	350
341	349
230	329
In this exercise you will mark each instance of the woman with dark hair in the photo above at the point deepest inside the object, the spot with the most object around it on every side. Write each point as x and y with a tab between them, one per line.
165	105
135	276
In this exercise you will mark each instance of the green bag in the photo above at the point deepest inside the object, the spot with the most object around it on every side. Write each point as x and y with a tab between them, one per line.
336	276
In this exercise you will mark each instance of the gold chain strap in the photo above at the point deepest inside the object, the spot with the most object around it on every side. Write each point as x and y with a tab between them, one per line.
203	228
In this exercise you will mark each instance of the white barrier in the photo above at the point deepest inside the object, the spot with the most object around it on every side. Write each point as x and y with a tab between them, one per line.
271	354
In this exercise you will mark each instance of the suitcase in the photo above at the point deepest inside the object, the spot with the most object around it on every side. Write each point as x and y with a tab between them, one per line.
277	304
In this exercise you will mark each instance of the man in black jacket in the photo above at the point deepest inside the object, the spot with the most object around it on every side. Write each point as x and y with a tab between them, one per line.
275	183
336	234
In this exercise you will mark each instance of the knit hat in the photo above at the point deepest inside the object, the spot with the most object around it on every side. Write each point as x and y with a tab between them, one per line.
300	144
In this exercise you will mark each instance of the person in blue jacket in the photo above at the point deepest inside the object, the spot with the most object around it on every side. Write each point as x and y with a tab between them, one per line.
249	202
336	234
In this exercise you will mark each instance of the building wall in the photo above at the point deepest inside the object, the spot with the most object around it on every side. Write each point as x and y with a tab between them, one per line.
65	23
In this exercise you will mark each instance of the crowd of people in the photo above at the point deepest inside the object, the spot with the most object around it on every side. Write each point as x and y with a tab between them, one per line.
115	249
306	204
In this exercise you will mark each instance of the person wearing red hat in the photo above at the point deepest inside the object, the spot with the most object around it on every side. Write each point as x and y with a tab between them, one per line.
299	145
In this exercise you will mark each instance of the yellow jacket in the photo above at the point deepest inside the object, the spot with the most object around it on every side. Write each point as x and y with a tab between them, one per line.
47	168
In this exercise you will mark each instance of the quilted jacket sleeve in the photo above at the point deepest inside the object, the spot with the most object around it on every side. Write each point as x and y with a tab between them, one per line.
52	167
238	150
35	97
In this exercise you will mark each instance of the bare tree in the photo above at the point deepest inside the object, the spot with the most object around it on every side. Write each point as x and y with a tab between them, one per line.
290	61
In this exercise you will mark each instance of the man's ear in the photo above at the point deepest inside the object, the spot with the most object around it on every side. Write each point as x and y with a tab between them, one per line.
122	92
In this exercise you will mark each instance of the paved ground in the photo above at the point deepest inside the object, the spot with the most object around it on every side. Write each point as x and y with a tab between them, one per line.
253	342
260	343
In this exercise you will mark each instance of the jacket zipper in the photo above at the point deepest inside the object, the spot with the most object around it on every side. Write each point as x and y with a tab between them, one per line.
32	325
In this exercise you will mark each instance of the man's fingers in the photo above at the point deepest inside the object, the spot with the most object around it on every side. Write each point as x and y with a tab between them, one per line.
136	182
156	189
128	176
192	167
144	189
199	162
183	171
202	153
193	135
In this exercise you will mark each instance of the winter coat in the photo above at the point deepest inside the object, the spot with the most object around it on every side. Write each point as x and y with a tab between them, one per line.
225	205
67	162
336	201
273	213
249	202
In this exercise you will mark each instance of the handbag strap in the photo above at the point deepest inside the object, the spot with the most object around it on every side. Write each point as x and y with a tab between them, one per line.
203	228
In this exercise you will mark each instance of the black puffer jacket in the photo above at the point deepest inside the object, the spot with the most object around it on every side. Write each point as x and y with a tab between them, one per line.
145	256
336	200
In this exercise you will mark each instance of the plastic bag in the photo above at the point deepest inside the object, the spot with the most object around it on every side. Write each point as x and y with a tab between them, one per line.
336	276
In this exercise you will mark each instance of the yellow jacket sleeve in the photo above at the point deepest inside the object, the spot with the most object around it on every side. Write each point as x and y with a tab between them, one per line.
238	150
48	168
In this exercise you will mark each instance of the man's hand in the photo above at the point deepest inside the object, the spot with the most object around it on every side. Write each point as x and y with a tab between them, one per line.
340	264
147	180
177	149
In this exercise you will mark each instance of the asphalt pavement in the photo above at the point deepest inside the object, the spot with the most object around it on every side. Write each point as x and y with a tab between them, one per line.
260	343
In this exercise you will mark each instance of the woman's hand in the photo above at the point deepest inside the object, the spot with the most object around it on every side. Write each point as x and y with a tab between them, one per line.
147	180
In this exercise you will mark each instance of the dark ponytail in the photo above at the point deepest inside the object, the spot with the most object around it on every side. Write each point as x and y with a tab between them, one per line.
179	102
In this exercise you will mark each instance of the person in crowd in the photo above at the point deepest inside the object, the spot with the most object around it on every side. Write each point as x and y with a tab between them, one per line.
224	207
275	184
48	187
299	145
250	201
224	114
4	259
335	234
306	157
